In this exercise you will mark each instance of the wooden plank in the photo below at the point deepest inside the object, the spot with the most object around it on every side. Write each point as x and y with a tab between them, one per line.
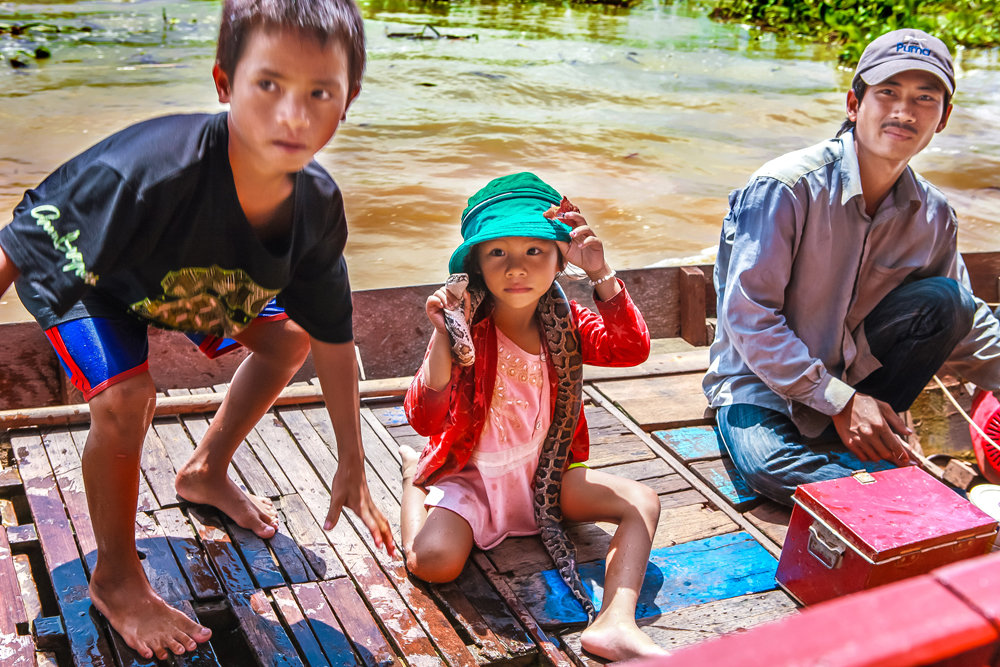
256	618
263	453
8	515
626	451
360	627
17	650
693	310
311	538
723	476
552	654
65	461
159	470
699	623
676	577
772	519
392	415
10	482
475	605
324	624
690	522
30	598
192	560
306	642
255	552
691	443
13	617
409	613
655	403
22	538
658	364
87	644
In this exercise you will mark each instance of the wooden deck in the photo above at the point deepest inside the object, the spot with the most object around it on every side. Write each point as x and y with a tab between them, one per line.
314	598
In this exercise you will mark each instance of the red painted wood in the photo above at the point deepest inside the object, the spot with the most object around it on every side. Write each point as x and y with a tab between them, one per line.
912	622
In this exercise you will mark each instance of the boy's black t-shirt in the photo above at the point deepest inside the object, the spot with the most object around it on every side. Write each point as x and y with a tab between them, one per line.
150	218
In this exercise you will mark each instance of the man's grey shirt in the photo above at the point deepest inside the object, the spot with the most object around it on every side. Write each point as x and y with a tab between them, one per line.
801	265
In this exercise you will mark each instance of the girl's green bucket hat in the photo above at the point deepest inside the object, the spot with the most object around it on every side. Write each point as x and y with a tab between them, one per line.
511	205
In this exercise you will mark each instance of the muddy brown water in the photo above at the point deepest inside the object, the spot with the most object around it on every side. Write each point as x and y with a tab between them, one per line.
646	118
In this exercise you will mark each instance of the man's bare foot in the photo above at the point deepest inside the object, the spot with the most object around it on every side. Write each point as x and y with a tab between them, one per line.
619	641
248	511
146	623
409	458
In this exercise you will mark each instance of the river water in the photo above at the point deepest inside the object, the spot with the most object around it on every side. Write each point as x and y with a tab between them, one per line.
646	118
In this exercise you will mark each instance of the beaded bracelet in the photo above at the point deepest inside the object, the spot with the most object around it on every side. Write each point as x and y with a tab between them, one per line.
603	279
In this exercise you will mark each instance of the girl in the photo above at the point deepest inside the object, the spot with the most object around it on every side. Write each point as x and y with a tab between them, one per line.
472	484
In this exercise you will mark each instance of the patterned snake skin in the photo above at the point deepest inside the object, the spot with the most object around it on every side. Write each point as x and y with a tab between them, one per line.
563	343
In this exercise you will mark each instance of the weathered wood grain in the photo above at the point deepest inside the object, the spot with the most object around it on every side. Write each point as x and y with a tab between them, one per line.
65	461
364	634
311	538
324	624
655	404
691	443
190	556
723	476
772	518
87	643
13	617
306	642
258	622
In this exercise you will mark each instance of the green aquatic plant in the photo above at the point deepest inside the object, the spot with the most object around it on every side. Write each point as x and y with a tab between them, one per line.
853	23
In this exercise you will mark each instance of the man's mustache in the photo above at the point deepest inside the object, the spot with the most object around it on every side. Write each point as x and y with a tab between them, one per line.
901	126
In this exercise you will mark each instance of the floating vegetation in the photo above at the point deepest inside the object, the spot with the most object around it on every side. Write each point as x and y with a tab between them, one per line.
853	23
427	32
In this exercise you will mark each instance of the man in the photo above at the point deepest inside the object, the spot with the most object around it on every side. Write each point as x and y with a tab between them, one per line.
841	291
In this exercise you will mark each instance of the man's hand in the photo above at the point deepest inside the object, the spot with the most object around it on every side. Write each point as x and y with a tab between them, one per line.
346	492
871	430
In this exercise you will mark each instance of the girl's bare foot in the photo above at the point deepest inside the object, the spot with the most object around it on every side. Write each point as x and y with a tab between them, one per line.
622	640
248	511
409	458
146	623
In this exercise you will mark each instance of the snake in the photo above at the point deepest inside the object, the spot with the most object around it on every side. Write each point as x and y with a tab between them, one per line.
563	343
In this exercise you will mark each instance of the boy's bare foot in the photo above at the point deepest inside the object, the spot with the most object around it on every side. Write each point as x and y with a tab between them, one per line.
409	458
619	641
248	511
146	623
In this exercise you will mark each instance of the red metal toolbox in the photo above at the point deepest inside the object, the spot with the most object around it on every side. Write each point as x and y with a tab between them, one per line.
862	531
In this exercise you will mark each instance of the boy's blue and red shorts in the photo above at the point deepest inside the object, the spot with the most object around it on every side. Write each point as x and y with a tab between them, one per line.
99	351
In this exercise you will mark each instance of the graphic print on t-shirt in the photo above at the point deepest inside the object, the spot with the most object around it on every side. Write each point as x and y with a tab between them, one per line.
211	300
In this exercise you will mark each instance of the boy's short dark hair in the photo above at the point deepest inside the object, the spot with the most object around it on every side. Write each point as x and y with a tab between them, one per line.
325	19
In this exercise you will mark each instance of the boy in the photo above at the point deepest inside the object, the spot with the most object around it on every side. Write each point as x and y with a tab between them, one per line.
197	223
841	290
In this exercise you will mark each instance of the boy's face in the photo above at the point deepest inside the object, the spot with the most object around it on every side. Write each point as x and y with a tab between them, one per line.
897	118
518	270
287	96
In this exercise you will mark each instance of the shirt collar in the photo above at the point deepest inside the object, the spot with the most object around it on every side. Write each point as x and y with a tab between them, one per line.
904	191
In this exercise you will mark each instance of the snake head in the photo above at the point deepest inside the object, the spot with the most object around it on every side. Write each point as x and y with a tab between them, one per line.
456	284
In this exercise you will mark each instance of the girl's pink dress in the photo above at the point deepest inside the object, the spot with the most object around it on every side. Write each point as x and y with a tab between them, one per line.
493	491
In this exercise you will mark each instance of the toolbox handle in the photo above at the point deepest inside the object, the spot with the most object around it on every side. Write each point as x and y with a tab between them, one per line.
825	546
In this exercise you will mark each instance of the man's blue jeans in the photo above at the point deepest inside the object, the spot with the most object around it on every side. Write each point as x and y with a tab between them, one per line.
911	332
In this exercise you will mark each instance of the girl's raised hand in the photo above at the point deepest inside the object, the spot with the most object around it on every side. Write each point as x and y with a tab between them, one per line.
584	249
440	300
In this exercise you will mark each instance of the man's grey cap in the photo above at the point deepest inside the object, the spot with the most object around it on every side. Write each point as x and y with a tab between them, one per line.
902	50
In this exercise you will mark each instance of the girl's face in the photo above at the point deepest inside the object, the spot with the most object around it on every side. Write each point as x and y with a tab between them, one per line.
518	270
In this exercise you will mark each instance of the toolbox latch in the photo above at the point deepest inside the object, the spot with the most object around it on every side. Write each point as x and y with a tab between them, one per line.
825	545
863	476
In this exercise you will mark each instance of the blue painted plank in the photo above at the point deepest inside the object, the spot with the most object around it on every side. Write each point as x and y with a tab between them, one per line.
723	476
393	416
692	443
684	575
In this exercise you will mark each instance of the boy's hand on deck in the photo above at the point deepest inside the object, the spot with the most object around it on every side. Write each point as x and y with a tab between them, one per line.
357	498
871	430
